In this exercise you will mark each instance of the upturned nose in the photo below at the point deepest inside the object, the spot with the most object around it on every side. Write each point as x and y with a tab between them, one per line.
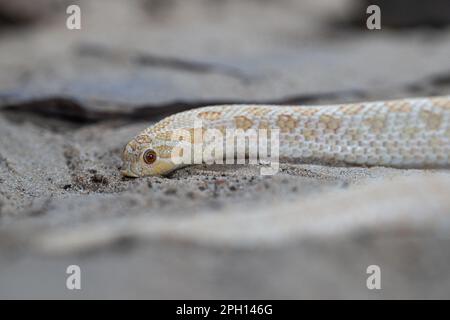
127	159
128	173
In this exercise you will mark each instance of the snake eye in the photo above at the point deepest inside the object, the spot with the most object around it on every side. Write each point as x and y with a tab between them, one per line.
149	156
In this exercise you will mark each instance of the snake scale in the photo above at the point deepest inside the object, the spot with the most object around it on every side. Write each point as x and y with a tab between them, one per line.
406	133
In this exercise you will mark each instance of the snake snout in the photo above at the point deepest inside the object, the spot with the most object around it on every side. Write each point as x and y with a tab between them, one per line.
129	160
129	173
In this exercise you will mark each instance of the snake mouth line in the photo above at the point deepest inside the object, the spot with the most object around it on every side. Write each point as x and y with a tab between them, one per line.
128	173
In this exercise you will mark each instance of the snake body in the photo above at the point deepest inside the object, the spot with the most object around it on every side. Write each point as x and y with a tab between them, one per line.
399	133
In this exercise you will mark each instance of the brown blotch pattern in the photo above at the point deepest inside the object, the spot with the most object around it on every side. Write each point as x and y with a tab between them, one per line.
330	122
133	145
351	109
196	135
309	134
286	123
258	111
432	120
264	124
162	124
399	106
143	138
175	135
353	134
164	135
307	111
210	115
164	151
441	102
222	129
243	122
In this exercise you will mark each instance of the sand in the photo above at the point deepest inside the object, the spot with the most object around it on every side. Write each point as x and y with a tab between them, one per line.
70	100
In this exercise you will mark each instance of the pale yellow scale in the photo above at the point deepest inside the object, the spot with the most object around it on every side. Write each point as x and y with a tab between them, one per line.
400	133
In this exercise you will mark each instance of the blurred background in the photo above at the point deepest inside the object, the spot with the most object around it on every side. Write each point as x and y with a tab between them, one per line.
150	52
71	99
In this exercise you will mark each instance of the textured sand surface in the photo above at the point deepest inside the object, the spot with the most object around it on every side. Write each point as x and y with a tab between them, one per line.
70	100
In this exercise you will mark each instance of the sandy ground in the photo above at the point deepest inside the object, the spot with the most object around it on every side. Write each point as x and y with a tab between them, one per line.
70	100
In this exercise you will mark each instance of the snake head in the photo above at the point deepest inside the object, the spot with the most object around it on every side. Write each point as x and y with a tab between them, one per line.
141	158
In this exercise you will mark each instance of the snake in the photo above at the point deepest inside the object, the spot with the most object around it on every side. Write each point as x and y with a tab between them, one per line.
400	133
